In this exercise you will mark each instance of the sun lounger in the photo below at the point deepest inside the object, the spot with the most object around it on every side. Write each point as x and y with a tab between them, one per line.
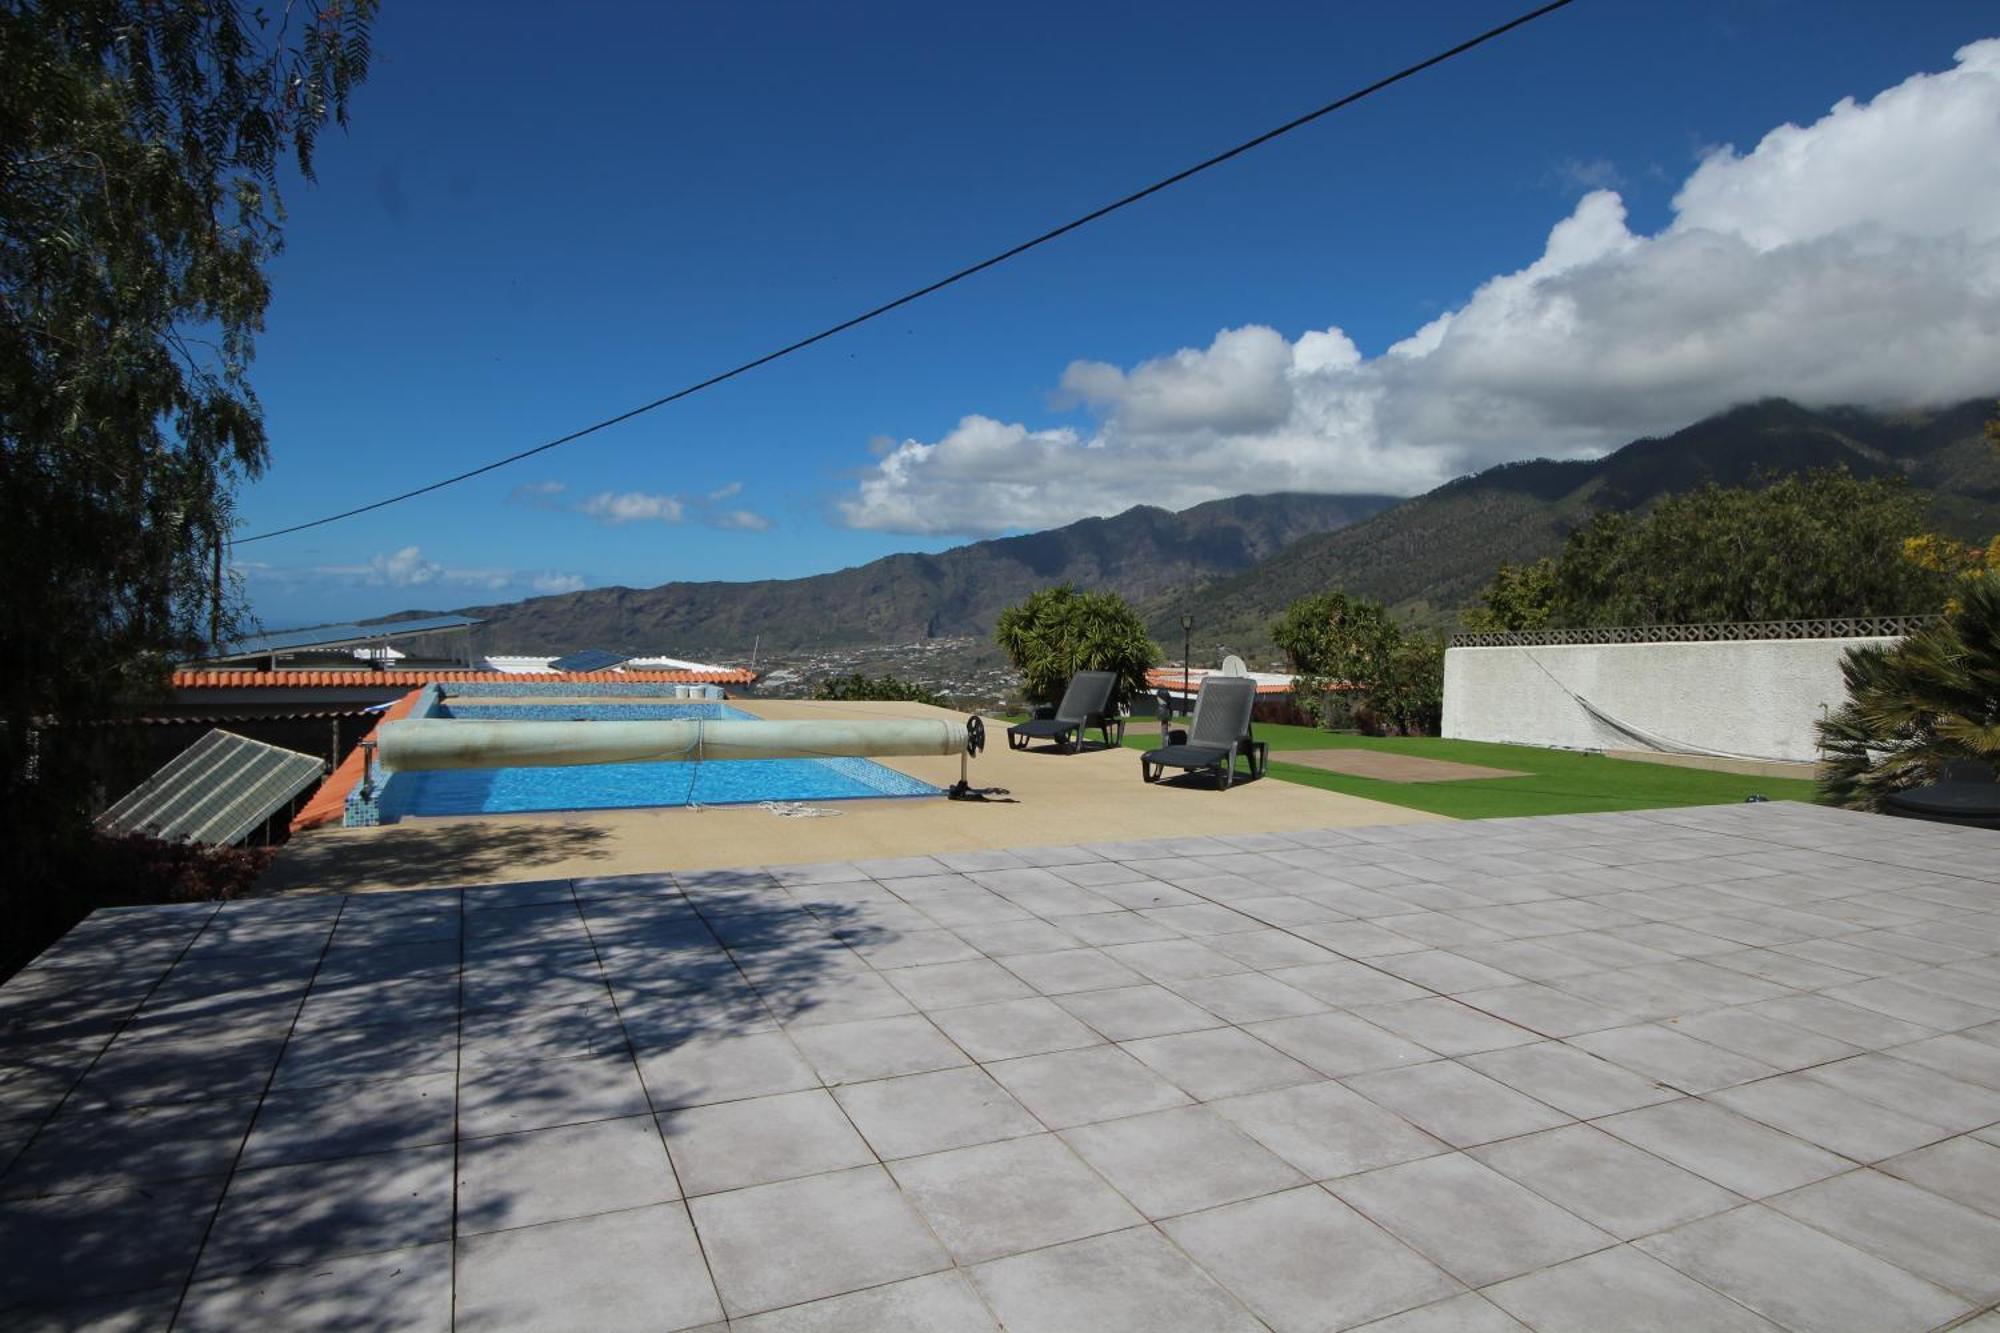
1217	736
1085	704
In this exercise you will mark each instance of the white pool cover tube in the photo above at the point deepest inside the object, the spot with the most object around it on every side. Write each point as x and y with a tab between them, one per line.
427	743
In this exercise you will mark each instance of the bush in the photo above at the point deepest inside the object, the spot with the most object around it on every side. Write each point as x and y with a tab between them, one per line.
857	687
1797	547
1060	631
1916	706
124	871
1334	640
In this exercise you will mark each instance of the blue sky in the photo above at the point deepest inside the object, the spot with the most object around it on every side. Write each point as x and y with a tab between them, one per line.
543	215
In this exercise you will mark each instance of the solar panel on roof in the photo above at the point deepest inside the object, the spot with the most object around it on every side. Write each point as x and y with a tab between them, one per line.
590	659
219	790
332	636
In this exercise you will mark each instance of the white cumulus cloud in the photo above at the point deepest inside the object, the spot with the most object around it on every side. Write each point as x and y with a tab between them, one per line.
1854	259
620	507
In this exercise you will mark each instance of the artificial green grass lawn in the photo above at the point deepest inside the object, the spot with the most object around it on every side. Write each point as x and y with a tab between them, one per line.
1558	782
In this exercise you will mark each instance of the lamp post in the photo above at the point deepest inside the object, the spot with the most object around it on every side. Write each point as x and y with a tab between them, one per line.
1187	639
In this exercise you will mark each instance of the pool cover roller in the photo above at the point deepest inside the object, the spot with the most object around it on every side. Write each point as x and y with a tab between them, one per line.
415	744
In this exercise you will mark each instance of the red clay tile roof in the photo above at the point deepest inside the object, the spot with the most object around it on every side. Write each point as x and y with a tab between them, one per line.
329	803
239	680
1169	678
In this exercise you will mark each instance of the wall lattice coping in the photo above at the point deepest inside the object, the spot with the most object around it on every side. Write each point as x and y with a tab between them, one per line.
1833	627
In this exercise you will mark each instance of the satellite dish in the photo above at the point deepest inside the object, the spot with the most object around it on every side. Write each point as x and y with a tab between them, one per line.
1232	665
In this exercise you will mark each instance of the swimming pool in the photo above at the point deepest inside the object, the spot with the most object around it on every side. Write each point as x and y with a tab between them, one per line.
633	786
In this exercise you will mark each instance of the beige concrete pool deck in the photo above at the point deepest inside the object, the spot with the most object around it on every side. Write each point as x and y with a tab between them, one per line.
1051	798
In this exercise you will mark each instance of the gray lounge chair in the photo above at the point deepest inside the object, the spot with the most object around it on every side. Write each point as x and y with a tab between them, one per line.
1085	704
1218	735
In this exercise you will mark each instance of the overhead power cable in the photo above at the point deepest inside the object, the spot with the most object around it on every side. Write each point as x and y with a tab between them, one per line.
942	283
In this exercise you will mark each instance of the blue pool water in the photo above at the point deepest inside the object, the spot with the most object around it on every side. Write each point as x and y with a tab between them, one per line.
618	712
632	786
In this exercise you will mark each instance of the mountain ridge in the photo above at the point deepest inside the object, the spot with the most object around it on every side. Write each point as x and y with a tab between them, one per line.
1236	562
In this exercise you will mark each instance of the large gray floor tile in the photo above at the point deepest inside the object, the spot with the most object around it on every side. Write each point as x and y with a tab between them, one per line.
1620	1289
104	1149
1248	997
400	1289
1851	1023
550	1092
1470	1313
803	1240
1065	971
1304	1261
1778	1044
1174	960
1804	1107
1131	1012
1924	1233
1448	1027
948	985
1010	1028
876	1048
1345	983
732	1144
938	1303
1928	1095
1170	1162
1337	1044
1659	1052
1457	1104
1544	1009
1468	1219
1128	1282
1799	1277
634	1270
1003	1198
925	1113
1569	1079
1963	1056
1966	1169
347	1119
72	1247
1219	1062
1076	1087
1605	1181
1715	1143
547	1175
1325	1130
697	1070
320	1057
284	1215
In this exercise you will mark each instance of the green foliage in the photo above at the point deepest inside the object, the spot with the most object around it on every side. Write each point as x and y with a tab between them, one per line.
1409	694
1334	640
1800	547
1518	598
1917	705
140	144
1807	545
858	687
1060	631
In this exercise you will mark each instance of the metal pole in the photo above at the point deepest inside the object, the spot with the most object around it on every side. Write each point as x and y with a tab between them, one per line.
215	601
1187	652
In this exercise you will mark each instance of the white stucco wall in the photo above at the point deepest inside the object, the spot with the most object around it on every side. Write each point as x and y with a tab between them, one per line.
1755	697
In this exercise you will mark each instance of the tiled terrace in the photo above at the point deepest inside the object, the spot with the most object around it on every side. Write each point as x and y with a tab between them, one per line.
1723	1068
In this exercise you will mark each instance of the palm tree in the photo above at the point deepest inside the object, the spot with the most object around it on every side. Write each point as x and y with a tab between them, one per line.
1060	631
1913	708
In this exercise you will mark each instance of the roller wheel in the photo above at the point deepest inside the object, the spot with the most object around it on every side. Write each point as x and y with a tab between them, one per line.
975	734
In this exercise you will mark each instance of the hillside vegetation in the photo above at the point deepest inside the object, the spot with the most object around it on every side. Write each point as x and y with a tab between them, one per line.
1428	557
1235	564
